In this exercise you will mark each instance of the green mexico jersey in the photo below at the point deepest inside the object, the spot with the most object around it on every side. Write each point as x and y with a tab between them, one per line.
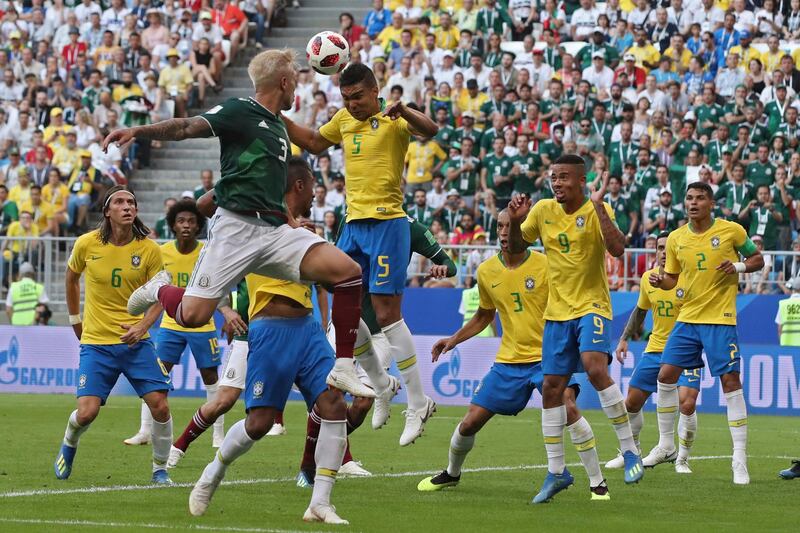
620	153
790	131
708	113
737	195
450	218
758	133
763	223
474	134
682	150
780	207
491	107
747	149
775	113
254	148
466	181
713	151
529	165
622	210
645	177
551	150
758	173
487	140
163	231
672	217
586	54
495	168
445	137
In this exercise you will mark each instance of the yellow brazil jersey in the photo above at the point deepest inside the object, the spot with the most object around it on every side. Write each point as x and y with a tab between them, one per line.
57	196
19	194
520	297
576	254
421	158
678	63
374	155
15	229
447	39
56	139
473	105
644	53
112	273
180	266
710	294
745	56
664	305
262	289
42	213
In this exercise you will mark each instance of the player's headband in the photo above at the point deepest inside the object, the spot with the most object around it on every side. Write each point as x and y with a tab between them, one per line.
110	196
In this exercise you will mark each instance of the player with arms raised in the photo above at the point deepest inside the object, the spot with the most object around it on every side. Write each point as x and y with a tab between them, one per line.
375	137
665	306
252	230
576	232
705	254
515	285
117	258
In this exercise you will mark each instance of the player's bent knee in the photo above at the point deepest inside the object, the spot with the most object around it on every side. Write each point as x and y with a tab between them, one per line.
87	414
331	405
209	375
730	382
670	374
259	421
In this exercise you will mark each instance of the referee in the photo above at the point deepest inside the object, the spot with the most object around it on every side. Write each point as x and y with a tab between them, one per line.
788	321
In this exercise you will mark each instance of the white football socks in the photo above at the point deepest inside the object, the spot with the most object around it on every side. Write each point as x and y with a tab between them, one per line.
237	442
460	446
687	430
737	423
219	423
146	420
366	357
404	353
553	422
637	422
614	407
583	439
667	408
73	433
162	442
331	444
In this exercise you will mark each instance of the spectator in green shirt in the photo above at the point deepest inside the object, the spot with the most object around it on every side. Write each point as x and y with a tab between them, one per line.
162	229
9	212
664	217
763	217
496	173
625	212
761	171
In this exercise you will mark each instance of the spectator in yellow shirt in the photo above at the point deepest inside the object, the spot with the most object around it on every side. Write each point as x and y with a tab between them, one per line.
391	33
176	79
104	54
24	227
745	51
55	133
56	193
447	35
679	54
472	100
67	157
646	54
423	159
43	214
81	183
21	192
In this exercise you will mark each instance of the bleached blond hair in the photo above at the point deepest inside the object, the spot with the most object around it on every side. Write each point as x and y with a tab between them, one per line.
268	67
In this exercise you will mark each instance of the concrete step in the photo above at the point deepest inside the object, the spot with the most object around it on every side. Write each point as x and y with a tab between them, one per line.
196	144
177	151
185	164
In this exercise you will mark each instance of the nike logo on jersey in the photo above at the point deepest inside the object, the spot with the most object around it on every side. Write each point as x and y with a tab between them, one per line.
496	284
263	124
596	341
547	222
95	257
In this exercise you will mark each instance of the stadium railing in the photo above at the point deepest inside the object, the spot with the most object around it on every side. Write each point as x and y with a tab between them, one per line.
49	256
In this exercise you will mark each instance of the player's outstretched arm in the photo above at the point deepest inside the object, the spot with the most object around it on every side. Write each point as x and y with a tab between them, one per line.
419	124
174	129
518	209
306	138
635	321
73	291
481	319
612	236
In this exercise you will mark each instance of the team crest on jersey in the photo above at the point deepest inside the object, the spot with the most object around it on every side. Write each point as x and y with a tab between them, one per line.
715	242
82	381
231	373
768	172
258	389
136	260
530	283
374	123
203	281
580	221
679	293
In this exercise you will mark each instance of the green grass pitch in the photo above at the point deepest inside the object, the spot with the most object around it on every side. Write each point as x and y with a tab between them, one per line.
503	472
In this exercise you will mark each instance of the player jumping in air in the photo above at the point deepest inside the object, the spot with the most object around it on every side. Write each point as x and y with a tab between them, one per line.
515	285
374	137
665	306
252	230
117	258
705	254
180	256
280	317
576	232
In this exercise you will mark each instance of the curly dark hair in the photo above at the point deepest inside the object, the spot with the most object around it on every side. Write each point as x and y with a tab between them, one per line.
185	206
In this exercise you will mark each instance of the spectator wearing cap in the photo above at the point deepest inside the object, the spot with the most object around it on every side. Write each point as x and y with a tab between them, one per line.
24	296
473	100
155	33
508	72
208	30
451	214
469	130
597	43
664	217
176	81
599	74
83	180
70	52
447	71
746	52
10	172
636	75
54	134
377	19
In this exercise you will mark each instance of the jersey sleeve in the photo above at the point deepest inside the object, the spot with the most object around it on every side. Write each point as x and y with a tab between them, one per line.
741	242
77	259
673	265
224	118
331	129
401	125
644	301
424	243
154	261
530	226
484	296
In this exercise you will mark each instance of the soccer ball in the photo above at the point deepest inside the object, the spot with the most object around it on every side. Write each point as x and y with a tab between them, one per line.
328	52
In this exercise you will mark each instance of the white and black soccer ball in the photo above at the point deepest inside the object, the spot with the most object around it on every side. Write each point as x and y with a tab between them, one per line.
328	52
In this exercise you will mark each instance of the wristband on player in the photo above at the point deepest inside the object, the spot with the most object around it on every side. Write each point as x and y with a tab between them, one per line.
75	319
739	267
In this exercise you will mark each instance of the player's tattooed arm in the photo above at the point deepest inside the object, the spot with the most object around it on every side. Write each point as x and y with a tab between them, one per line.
635	321
174	129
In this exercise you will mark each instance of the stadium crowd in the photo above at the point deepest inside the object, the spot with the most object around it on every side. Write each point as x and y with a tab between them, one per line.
72	71
655	94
